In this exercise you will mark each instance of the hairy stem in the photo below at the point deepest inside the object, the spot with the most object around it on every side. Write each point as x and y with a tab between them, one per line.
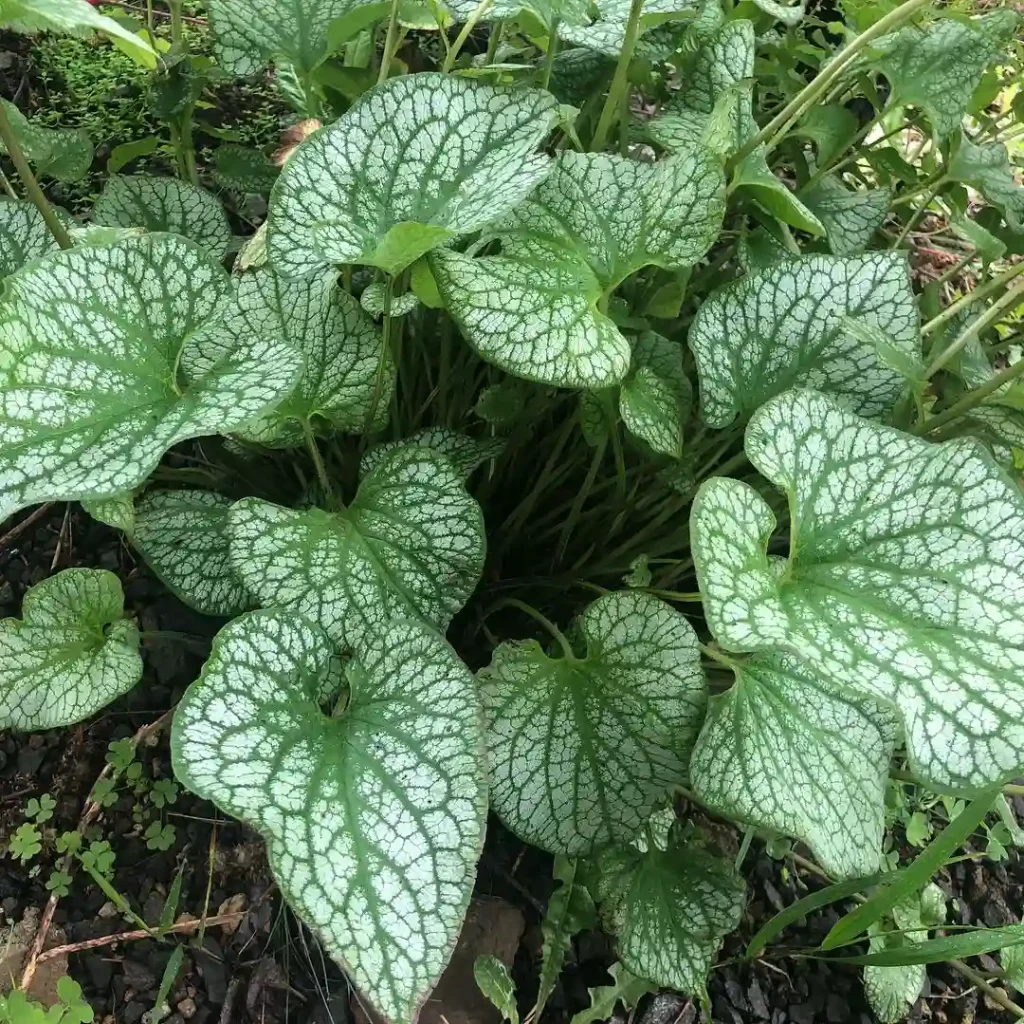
620	80
318	462
28	179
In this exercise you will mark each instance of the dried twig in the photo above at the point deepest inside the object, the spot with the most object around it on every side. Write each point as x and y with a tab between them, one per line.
16	531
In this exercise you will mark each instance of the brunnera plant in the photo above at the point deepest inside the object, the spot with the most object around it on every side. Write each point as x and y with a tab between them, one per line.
613	308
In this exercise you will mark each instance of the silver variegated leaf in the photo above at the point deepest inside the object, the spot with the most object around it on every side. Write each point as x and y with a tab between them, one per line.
783	327
606	33
164	204
89	399
654	399
987	168
786	749
71	653
373	810
387	182
850	218
62	153
904	582
183	537
581	748
411	545
23	235
464	452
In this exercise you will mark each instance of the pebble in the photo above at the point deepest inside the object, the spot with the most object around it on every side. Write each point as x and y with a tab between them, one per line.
187	1008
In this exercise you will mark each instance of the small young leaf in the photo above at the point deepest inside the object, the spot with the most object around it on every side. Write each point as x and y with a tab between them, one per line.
987	168
581	749
495	982
118	511
787	750
669	910
850	218
107	325
891	991
830	126
23	235
164	204
372	301
1011	960
905	560
783	327
373	817
411	545
389	163
654	399
625	988
70	654
464	452
62	153
183	537
243	169
606	33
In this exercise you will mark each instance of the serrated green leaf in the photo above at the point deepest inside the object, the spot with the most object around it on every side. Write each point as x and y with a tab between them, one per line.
464	452
582	748
23	235
903	581
669	910
248	34
183	536
374	815
606	32
570	910
655	397
71	653
342	377
782	327
987	168
495	982
850	218
938	66
625	988
389	163
76	18
90	342
411	545
786	750
117	511
244	169
62	153
164	204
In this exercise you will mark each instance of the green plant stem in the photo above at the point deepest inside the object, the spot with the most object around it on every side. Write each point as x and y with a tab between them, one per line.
620	80
997	995
318	462
854	143
1009	789
971	297
971	399
974	329
549	57
8	187
771	133
385	355
28	179
917	213
556	633
460	40
579	501
176	25
493	41
389	42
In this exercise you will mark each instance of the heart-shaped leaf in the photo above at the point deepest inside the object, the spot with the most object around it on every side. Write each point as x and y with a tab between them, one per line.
655	398
71	653
411	545
62	153
23	235
464	452
783	327
183	537
89	397
581	748
164	204
386	182
669	909
987	168
850	218
373	814
904	581
785	749
939	65
345	373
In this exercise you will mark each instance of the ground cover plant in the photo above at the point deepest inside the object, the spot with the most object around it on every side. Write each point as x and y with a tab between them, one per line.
579	432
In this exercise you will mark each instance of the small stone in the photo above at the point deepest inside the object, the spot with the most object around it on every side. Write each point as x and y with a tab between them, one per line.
187	1008
107	911
758	1004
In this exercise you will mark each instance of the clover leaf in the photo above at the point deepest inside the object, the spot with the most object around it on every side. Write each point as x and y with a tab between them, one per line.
164	204
410	545
71	653
373	811
782	327
905	573
387	182
89	392
582	747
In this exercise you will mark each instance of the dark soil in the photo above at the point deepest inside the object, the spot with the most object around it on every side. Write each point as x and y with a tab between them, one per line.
268	969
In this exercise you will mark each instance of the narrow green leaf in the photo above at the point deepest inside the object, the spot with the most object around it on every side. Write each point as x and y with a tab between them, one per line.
388	163
170	907
71	653
581	749
164	204
161	1006
373	812
974	942
916	876
129	151
494	981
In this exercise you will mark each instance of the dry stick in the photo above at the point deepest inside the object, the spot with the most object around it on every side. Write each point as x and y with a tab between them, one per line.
997	995
89	815
16	531
191	925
